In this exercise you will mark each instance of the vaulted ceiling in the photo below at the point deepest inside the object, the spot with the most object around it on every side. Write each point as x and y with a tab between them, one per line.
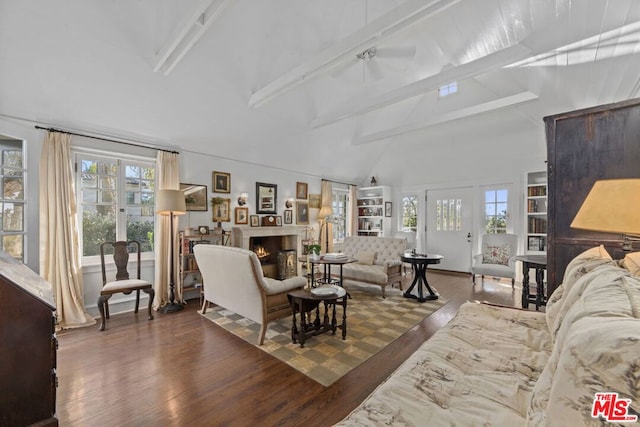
279	83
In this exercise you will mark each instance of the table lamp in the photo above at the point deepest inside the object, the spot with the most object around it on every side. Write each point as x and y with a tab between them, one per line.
612	206
171	202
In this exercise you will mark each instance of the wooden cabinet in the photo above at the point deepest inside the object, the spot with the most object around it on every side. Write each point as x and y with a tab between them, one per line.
372	212
536	209
584	146
28	378
189	276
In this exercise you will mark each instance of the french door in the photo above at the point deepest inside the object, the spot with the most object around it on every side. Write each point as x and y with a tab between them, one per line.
449	218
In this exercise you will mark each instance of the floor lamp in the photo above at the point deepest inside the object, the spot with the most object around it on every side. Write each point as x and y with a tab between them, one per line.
324	216
171	202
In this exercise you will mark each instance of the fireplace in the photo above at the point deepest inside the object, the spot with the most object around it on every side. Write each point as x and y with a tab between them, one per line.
276	247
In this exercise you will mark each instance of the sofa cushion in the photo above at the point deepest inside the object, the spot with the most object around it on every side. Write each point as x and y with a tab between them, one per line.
366	257
477	370
632	263
365	273
496	254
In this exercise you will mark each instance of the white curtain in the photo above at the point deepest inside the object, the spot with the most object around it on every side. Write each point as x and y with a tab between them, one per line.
352	211
168	179
59	245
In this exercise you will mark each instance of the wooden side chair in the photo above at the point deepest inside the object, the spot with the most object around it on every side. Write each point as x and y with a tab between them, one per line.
122	283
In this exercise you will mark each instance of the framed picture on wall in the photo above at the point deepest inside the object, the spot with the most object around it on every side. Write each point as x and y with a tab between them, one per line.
314	201
221	182
222	211
301	190
242	215
195	197
387	208
266	198
288	216
254	220
302	213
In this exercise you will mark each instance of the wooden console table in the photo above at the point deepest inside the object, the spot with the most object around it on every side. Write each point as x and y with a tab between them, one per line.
539	263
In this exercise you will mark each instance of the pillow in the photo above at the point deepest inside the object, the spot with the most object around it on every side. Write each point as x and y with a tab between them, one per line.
631	262
366	258
496	254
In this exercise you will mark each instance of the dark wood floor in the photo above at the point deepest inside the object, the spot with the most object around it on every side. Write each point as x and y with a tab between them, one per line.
180	369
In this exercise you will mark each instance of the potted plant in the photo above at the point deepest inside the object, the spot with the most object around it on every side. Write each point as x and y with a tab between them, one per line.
313	251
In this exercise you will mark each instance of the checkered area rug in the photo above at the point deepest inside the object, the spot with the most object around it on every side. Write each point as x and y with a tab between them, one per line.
372	324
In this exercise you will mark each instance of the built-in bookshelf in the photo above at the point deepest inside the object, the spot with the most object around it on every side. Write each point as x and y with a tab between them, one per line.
536	208
374	211
189	276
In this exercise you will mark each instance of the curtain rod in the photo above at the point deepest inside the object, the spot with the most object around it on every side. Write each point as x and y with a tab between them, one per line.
337	182
104	139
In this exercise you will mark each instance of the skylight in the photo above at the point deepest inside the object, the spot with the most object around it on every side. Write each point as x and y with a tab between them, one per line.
447	90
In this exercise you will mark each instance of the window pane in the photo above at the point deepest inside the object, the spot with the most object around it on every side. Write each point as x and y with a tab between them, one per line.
501	208
501	195
14	245
489	196
107	168
12	217
89	181
409	213
132	172
13	187
12	158
98	226
141	229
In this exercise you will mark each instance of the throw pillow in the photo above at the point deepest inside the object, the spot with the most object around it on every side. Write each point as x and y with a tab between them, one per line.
366	258
496	254
632	263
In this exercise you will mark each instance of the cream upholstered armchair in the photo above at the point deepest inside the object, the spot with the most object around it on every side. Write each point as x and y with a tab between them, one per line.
497	258
233	279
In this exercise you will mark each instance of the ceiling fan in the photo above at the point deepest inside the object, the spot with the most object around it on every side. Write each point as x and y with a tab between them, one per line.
373	58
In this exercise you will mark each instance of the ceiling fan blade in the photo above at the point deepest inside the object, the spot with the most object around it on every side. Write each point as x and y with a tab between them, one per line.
374	69
340	69
397	52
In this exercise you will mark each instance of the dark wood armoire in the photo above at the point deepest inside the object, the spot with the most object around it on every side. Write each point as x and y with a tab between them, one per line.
28	354
584	146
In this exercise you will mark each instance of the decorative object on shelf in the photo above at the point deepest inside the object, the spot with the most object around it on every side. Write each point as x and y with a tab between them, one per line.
270	221
171	202
242	215
195	197
315	201
254	220
221	209
242	199
279	221
221	182
301	190
288	216
266	198
203	229
612	206
289	203
302	213
373	181
387	209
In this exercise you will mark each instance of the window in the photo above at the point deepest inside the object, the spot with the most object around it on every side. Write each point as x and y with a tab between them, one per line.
409	212
12	215
339	203
495	202
116	201
447	90
448	215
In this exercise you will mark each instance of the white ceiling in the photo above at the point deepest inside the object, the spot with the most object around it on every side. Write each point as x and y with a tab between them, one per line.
89	65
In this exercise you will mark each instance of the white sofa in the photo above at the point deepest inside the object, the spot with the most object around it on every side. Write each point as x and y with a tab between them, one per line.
378	260
233	278
498	366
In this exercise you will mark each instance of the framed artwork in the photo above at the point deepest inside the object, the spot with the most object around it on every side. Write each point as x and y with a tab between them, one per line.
314	201
302	213
387	208
221	211
288	216
203	229
254	220
266	198
221	182
301	190
195	197
242	215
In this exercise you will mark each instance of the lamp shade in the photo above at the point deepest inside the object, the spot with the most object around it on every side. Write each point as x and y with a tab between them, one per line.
611	206
325	211
170	201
